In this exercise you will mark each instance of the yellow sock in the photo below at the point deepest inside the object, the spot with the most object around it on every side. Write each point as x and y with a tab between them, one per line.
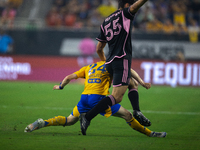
134	124
56	121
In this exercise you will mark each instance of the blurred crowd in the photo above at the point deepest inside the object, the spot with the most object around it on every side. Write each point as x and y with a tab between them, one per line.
166	16
8	10
78	13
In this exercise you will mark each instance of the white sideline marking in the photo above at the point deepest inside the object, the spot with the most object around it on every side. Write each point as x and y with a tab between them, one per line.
144	111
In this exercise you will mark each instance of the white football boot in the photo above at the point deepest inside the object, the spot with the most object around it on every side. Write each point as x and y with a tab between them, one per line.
39	123
158	134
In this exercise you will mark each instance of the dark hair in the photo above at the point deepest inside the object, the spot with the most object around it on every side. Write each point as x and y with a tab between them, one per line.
121	3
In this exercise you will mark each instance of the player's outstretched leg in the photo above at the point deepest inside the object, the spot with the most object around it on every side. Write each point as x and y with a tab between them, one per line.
39	123
56	121
141	118
158	134
134	124
84	123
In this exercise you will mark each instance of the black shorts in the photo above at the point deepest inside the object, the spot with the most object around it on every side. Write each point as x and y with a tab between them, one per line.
119	68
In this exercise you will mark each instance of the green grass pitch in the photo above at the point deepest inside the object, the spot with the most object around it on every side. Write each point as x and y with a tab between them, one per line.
173	110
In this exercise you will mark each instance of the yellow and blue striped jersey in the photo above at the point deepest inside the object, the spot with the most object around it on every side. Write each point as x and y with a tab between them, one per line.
97	78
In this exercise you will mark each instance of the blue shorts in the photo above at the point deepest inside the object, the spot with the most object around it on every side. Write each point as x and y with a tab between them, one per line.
87	102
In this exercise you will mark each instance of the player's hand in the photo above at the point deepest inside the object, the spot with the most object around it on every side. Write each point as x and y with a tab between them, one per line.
147	85
56	87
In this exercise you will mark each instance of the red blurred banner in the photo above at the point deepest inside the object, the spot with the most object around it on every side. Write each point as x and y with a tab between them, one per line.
36	68
49	68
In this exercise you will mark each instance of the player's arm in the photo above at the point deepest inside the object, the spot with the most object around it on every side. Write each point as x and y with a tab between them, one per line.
65	81
135	75
136	6
99	50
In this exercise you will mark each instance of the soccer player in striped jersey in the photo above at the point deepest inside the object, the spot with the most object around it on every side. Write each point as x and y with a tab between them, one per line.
116	31
97	83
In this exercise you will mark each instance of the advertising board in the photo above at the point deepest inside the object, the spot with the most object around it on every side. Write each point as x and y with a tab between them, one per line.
49	68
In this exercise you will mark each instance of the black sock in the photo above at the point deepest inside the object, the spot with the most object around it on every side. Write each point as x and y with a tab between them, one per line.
134	99
100	107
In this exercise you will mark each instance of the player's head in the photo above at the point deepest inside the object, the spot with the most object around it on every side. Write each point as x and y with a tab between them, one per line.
122	3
